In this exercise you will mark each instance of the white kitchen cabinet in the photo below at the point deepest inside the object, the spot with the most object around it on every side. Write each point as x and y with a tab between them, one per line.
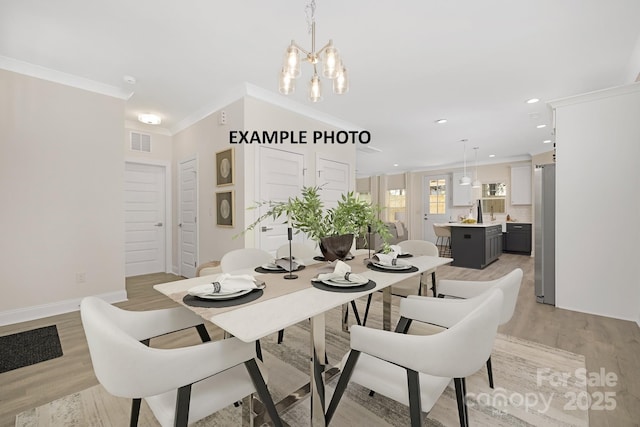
461	194
521	185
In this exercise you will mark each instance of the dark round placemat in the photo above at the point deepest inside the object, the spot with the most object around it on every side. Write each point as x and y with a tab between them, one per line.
324	287
268	271
413	269
210	303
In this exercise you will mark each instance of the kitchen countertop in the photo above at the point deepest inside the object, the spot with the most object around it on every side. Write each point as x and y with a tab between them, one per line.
483	225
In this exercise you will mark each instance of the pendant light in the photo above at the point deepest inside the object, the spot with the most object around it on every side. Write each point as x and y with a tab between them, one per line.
328	57
465	180
476	183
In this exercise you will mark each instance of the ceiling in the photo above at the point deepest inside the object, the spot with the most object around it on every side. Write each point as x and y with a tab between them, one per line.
472	62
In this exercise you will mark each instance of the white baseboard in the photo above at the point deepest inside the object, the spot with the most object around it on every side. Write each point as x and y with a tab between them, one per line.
46	310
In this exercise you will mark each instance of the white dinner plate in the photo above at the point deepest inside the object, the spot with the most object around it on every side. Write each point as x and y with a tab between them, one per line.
225	296
399	266
343	283
272	266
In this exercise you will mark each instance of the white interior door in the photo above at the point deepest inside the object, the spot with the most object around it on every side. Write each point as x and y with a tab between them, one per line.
188	218
435	207
145	237
333	177
280	177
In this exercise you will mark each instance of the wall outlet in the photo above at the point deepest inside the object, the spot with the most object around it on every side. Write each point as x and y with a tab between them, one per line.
81	278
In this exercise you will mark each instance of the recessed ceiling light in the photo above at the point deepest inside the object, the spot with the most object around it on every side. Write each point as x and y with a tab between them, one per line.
150	119
441	121
546	141
395	164
541	126
532	100
492	155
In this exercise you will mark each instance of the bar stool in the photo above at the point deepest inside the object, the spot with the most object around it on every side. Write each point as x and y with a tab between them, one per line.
443	241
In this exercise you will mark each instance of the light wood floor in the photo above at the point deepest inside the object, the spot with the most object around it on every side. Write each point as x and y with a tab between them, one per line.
609	344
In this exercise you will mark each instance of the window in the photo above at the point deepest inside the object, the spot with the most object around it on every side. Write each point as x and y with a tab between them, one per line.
396	204
364	196
438	196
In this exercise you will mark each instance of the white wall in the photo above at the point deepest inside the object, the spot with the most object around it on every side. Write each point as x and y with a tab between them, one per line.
598	202
202	140
61	178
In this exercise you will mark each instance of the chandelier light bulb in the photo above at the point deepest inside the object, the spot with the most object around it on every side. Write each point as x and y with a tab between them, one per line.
292	61
315	89
286	83
341	82
331	62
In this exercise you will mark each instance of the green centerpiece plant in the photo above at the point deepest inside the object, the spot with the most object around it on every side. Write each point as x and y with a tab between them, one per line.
306	214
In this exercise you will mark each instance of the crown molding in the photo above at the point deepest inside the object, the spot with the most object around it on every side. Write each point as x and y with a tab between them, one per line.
31	70
595	95
256	92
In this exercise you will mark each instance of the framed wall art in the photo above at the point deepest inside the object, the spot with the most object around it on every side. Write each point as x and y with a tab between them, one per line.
225	167
225	208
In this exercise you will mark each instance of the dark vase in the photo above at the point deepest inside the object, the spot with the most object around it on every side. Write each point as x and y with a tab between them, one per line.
336	247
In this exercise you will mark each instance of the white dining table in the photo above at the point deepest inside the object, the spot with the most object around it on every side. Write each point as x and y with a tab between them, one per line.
252	321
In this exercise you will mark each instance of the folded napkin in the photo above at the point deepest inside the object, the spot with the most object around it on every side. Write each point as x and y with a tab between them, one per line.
396	249
225	284
386	259
342	271
284	263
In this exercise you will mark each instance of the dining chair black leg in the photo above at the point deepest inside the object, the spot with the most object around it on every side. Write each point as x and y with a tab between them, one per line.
366	310
355	312
345	376
433	283
415	404
202	331
182	406
259	350
490	372
135	412
263	391
403	325
461	400
280	336
420	285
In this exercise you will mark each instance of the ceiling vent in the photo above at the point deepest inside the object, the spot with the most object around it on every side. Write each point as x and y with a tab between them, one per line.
140	142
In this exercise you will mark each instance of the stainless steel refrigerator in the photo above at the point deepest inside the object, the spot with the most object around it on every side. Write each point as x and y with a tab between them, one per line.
545	233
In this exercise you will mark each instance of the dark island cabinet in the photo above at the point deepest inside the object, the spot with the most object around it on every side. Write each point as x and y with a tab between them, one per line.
476	247
518	238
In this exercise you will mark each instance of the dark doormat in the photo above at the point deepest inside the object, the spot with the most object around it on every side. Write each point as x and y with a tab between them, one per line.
29	347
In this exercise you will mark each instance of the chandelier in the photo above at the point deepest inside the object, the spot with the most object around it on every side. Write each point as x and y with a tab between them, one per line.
332	67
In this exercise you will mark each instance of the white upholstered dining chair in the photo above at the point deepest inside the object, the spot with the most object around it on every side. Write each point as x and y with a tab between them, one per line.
298	250
509	284
408	286
415	370
244	261
180	385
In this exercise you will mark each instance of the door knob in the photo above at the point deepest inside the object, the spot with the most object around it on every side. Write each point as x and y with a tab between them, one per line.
265	228
159	224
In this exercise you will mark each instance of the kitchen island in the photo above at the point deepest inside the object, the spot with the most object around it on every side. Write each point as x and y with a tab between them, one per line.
475	245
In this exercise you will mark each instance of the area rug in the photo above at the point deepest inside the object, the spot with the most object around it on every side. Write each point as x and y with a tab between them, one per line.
29	347
526	391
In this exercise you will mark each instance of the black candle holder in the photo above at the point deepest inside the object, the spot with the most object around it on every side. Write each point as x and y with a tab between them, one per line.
369	241
290	275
